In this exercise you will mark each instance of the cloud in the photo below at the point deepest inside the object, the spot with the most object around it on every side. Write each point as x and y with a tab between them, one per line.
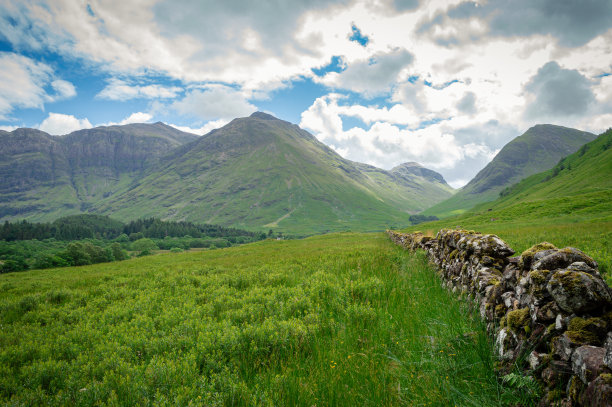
373	76
118	89
63	89
573	23
558	92
213	103
26	83
59	124
386	145
207	128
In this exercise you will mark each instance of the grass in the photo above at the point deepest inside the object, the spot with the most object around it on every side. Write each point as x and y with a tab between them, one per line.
344	319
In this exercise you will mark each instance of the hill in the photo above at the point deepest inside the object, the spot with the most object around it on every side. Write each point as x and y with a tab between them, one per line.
257	172
262	172
568	205
43	177
538	149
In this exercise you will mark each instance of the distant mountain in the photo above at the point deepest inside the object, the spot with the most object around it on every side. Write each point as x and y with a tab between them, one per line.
262	172
580	184
538	149
43	177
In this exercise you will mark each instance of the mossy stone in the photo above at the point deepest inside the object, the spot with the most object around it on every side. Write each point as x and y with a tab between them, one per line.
518	319
527	255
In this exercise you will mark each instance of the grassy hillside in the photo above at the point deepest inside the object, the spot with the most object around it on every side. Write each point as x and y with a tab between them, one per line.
260	172
568	205
538	149
345	319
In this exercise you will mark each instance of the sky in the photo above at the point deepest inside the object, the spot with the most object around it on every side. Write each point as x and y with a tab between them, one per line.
444	83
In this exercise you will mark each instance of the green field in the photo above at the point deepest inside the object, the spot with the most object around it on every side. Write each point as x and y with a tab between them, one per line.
344	319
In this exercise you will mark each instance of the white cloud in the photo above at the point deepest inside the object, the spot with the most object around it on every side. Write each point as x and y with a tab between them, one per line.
207	128
59	124
386	145
23	82
63	89
213	103
8	128
118	89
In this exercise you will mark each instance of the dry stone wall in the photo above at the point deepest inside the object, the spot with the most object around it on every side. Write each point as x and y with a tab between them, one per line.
549	309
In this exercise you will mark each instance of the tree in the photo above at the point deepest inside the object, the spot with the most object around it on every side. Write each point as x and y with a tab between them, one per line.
118	252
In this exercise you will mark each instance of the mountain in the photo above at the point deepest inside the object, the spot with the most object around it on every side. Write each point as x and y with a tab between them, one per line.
262	172
580	185
43	177
538	149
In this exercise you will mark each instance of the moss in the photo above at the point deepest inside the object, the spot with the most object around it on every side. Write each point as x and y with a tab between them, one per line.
500	310
527	329
582	337
555	395
574	389
502	323
569	280
527	255
551	328
453	254
584	330
517	319
607	378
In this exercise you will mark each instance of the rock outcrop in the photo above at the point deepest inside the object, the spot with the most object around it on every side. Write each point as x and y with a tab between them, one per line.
549	309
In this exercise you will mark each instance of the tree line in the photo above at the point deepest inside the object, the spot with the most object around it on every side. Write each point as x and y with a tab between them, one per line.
88	226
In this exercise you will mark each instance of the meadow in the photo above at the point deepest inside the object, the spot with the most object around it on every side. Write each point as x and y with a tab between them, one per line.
342	319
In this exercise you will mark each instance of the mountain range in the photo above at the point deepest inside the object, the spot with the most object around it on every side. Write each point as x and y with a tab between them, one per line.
538	149
256	172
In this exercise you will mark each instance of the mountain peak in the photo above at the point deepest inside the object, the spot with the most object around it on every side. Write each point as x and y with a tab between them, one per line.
263	116
414	168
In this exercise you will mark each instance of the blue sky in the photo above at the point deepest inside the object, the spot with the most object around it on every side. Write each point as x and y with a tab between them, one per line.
443	83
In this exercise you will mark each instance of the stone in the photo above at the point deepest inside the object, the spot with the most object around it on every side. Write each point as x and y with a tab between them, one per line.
560	322
587	362
535	360
563	258
546	313
582	266
508	298
557	372
587	331
562	347
505	342
608	348
599	392
578	292
526	257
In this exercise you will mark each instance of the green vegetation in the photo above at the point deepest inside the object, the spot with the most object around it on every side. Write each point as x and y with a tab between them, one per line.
345	319
98	239
538	149
255	173
568	205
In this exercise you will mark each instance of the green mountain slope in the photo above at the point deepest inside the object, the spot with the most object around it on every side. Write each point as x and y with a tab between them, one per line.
43	177
538	149
568	205
580	183
261	172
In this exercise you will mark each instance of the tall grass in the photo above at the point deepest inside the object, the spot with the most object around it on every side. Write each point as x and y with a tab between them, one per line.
345	319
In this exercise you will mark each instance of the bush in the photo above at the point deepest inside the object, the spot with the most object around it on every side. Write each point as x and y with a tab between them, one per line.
176	250
144	244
